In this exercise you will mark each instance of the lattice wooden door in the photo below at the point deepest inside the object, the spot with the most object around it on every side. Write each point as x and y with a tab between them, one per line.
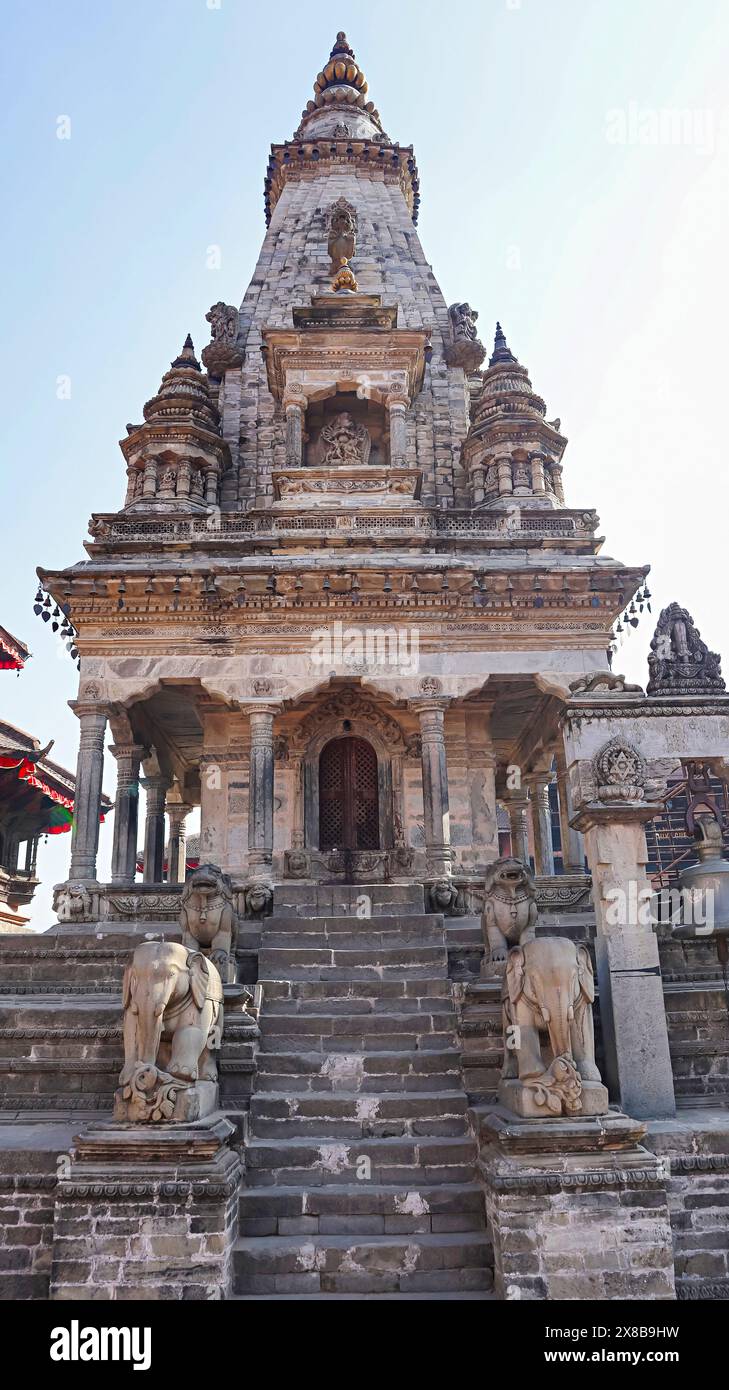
348	802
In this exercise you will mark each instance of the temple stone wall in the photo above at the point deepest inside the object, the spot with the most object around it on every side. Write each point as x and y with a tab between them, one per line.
26	1234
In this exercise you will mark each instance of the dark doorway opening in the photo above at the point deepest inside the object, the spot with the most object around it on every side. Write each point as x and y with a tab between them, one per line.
349	814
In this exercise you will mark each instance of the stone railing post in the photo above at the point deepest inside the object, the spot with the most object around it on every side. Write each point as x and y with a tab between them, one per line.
260	787
154	829
126	811
87	796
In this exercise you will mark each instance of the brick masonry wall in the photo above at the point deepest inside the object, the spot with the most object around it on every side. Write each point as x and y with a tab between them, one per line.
603	1240
149	1241
26	1235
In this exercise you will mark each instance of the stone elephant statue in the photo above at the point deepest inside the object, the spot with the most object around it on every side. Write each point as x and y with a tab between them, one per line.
548	988
173	1000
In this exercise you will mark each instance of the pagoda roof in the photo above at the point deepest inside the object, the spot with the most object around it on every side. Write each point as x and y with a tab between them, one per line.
13	652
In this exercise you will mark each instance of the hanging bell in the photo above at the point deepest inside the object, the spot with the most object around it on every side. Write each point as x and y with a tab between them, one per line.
415	587
74	654
595	601
271	583
387	586
327	583
37	609
299	584
444	581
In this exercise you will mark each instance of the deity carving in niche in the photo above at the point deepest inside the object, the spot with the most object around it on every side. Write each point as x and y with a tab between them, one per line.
342	233
345	442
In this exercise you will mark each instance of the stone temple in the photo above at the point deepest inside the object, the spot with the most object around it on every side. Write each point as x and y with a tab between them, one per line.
347	610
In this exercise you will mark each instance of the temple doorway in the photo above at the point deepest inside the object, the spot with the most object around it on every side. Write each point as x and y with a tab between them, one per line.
349	816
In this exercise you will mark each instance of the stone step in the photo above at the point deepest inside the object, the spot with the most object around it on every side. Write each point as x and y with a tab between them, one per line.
324	1025
408	923
368	940
304	995
301	963
361	1209
405	1160
319	899
275	1115
365	1072
440	1296
345	1264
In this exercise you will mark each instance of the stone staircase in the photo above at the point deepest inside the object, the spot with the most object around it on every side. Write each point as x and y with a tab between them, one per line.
359	1158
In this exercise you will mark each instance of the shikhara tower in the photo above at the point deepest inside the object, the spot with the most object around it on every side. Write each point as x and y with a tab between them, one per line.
344	465
348	610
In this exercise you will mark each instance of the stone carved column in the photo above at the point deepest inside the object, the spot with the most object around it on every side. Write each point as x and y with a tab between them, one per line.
518	809
126	811
397	407
260	789
87	796
506	481
541	822
177	851
154	829
297	795
149	486
295	409
436	815
573	848
537	468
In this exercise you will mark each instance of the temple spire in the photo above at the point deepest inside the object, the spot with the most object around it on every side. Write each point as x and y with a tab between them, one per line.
340	92
187	357
502	352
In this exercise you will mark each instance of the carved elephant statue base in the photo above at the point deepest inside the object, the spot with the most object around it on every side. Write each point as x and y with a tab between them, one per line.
156	1096
545	1098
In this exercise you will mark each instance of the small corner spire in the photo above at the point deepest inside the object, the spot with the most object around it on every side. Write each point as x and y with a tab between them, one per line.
187	357
502	352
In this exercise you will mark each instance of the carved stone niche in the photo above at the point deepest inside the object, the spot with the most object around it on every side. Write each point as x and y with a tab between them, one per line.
343	431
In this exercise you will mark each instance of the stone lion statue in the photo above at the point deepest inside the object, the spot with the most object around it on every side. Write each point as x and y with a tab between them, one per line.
207	918
258	897
509	908
74	902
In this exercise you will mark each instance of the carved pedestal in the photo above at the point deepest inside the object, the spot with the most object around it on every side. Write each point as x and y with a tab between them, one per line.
577	1209
147	1212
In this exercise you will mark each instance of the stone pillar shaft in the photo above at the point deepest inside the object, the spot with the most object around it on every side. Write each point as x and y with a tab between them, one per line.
436	814
177	851
542	824
506	482
573	848
294	433
398	432
87	796
154	830
632	1008
517	809
126	811
260	788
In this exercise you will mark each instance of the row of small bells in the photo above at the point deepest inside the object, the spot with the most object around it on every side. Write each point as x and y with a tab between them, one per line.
58	617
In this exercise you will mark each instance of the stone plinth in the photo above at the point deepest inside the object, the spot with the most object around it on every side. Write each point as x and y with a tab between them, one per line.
577	1209
147	1212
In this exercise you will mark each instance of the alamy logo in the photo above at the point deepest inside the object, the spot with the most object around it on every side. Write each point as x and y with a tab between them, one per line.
77	1343
368	648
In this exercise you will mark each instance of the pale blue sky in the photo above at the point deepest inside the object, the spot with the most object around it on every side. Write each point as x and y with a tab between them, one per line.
555	196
